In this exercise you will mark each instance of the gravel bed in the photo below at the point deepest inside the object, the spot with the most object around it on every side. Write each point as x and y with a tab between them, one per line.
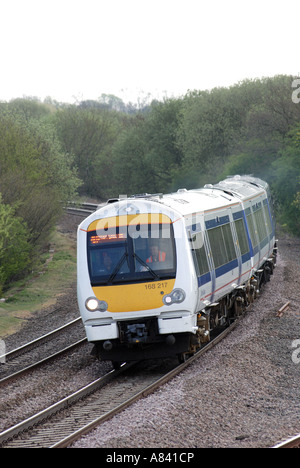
47	385
41	351
243	393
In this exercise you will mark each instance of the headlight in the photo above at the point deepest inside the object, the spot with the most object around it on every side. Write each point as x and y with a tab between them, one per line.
176	297
92	304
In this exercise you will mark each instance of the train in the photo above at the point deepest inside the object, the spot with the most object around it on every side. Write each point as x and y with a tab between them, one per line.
159	274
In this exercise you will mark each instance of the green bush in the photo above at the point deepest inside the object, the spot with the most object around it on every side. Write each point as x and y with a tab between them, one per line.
14	245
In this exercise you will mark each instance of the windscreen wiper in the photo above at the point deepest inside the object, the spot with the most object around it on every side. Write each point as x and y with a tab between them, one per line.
148	268
116	270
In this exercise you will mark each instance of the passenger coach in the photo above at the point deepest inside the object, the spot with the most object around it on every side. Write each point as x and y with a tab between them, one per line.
158	273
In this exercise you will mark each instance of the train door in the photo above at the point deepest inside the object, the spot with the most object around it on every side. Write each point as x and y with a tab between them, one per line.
242	244
261	230
237	248
252	235
203	266
223	252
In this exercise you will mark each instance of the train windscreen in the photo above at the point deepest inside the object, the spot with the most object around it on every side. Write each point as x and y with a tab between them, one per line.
116	255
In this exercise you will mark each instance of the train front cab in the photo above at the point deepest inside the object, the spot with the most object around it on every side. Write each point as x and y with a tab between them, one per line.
141	300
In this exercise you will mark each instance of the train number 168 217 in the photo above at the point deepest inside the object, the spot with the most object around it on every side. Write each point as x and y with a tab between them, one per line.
156	285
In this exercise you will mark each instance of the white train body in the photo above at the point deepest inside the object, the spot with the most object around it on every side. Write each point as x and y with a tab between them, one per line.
157	273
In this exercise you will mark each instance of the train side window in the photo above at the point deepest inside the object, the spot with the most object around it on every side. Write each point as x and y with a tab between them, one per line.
222	245
242	236
199	249
260	222
252	230
268	219
229	244
217	246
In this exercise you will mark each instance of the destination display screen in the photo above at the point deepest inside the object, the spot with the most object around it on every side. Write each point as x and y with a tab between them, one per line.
99	239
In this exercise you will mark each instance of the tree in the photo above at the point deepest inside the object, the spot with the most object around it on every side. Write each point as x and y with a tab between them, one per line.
163	154
256	157
297	199
209	127
34	176
31	123
132	171
88	134
14	245
145	155
112	102
287	180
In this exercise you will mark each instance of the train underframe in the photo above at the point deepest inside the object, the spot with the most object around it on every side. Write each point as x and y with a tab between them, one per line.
140	339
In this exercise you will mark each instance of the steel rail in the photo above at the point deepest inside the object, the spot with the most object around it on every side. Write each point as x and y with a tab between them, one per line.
43	415
145	392
38	341
95	386
25	370
78	211
84	209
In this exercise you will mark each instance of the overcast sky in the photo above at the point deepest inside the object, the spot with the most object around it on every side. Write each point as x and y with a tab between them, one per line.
78	49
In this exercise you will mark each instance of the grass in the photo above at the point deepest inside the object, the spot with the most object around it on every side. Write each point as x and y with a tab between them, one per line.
42	288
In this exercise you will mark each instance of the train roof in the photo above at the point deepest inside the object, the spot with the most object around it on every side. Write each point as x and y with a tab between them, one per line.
229	192
232	190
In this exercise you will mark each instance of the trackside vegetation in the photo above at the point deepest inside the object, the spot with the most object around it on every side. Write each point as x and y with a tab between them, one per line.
51	152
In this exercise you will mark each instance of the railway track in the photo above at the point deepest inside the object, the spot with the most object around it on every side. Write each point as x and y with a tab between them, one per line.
67	420
83	209
18	361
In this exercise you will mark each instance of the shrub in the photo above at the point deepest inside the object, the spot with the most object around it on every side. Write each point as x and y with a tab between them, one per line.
14	245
